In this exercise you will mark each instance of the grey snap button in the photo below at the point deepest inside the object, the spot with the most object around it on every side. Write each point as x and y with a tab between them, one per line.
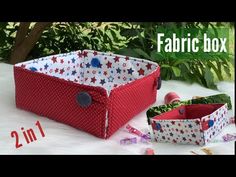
84	99
181	111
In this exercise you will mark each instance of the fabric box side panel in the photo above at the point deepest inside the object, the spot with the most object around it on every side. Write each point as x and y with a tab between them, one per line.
177	131
127	101
56	99
219	117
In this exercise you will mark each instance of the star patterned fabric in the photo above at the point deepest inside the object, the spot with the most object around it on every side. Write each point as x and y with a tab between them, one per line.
189	131
110	71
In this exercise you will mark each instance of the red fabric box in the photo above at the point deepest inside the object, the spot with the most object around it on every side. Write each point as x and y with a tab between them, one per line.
93	91
190	124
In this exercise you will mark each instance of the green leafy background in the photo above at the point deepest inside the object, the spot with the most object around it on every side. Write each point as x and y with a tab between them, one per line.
133	39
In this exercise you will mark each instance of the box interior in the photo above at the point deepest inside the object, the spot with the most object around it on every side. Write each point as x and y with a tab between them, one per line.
92	68
193	111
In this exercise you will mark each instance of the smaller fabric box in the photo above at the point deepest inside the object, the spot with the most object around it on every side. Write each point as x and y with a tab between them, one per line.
190	124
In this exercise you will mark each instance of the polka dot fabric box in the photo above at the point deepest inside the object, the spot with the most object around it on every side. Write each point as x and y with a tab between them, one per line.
93	91
190	124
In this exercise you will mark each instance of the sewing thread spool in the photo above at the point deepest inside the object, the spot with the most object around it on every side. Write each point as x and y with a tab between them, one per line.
171	97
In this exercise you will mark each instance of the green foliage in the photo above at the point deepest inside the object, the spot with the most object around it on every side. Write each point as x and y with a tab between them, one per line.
66	37
178	66
7	37
132	39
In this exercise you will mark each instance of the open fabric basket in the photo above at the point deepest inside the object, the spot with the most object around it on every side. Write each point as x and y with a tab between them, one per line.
190	124
93	91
